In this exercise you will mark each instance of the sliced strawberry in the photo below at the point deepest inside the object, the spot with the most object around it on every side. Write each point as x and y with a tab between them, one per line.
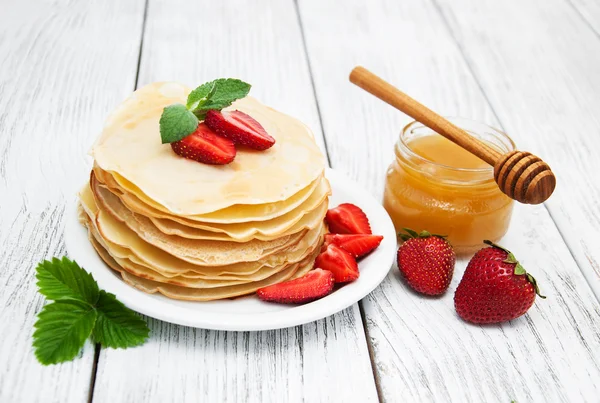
240	128
339	262
348	219
357	245
206	146
313	285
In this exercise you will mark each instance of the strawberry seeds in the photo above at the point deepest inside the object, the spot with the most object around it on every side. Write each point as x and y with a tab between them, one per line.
495	287
214	141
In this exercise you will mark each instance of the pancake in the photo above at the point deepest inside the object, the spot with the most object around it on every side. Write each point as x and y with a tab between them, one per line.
132	265
135	230
238	213
307	222
130	145
143	272
211	253
264	230
305	266
161	233
199	232
169	266
118	233
192	294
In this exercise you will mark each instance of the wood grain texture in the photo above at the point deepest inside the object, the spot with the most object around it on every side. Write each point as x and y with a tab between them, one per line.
260	42
256	40
56	85
422	350
310	363
543	82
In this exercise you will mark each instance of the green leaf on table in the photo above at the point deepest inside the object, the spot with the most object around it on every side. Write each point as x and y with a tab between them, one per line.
64	279
80	309
118	326
176	122
61	330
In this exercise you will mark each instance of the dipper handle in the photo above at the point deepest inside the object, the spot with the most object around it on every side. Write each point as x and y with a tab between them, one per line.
520	175
419	112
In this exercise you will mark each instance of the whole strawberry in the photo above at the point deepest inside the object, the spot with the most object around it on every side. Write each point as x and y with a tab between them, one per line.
495	287
426	261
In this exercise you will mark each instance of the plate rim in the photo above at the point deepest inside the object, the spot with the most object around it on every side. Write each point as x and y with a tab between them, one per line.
157	306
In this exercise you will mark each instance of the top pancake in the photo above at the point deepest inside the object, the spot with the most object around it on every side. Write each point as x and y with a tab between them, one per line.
130	146
237	216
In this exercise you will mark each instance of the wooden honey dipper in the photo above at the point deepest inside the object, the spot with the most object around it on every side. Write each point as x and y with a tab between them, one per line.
520	175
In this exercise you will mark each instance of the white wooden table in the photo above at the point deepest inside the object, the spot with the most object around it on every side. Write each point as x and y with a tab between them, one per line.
531	67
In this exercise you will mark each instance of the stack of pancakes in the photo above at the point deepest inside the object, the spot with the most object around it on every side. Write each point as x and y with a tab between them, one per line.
202	232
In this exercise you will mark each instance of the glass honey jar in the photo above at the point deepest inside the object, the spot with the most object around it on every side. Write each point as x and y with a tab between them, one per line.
435	185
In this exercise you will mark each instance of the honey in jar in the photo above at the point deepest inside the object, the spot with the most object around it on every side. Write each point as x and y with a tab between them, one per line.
435	185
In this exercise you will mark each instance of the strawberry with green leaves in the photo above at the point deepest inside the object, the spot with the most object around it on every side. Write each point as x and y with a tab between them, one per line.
426	262
212	141
495	287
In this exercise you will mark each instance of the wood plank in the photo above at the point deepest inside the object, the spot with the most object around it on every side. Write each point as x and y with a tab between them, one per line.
545	89
305	363
259	42
56	86
422	350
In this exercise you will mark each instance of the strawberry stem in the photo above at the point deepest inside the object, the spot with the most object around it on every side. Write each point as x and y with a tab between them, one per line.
488	242
535	286
519	270
404	237
414	234
411	232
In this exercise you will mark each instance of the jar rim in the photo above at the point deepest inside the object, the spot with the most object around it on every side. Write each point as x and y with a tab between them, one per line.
411	126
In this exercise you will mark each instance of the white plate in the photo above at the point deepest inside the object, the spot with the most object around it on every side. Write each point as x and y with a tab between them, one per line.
248	313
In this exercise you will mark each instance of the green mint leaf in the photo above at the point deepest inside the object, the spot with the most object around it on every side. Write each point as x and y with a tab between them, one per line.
213	90
200	95
217	94
61	330
118	326
176	122
64	279
196	104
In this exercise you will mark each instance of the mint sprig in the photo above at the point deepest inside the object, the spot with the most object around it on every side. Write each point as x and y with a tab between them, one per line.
217	94
179	121
80	309
176	122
